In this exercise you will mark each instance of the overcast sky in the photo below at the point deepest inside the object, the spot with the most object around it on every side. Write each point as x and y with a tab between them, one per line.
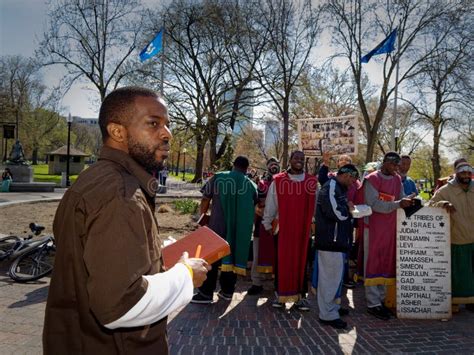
21	25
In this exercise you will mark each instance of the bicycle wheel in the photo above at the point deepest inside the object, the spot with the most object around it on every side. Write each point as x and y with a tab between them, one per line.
8	246
34	264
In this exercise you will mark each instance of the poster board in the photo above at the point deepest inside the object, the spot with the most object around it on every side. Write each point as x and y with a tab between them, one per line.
335	135
424	264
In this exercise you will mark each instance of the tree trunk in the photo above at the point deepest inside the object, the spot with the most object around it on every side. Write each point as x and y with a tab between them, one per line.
213	130
373	133
286	124
200	144
34	156
435	159
176	170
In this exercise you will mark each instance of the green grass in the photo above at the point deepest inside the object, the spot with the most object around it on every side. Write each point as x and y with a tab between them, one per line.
187	176
40	174
424	195
186	206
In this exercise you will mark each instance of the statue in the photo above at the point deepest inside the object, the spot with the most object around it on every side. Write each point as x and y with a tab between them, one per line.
17	155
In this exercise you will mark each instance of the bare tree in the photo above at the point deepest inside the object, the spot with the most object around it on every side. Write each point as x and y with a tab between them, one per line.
28	103
211	53
355	23
18	76
463	142
94	40
325	92
409	135
293	26
445	79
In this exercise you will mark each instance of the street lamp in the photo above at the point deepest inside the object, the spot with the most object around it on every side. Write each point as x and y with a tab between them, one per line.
68	155
184	162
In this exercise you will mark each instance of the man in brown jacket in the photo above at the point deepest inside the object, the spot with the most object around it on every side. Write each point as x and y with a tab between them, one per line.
109	293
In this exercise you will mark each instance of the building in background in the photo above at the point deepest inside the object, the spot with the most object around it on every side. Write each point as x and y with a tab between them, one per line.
272	134
245	115
91	122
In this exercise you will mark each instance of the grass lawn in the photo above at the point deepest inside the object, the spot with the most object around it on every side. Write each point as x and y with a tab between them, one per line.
187	176
40	174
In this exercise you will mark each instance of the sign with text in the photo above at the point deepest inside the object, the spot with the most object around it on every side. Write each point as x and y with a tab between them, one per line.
335	135
424	264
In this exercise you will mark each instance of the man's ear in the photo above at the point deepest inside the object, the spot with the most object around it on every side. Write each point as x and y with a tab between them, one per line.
117	132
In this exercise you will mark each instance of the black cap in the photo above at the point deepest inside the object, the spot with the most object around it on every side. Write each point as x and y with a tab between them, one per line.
392	157
350	169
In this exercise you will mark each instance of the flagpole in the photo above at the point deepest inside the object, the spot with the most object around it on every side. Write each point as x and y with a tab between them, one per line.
393	142
162	62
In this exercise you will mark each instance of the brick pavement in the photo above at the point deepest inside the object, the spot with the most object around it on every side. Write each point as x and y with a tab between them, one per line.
249	325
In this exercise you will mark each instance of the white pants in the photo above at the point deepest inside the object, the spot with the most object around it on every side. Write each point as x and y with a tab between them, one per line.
257	277
330	273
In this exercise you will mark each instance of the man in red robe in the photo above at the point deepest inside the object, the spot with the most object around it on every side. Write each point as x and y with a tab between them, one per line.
291	199
263	250
383	192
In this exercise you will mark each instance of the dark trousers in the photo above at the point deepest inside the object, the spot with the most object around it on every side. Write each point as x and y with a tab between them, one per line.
227	281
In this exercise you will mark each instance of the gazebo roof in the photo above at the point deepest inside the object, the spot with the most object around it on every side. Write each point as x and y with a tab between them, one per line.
72	152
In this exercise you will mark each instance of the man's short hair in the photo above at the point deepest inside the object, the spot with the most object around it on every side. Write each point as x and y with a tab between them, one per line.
345	157
349	169
391	157
241	162
119	106
295	152
405	157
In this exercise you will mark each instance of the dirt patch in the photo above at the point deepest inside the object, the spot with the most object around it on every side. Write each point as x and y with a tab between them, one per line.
16	218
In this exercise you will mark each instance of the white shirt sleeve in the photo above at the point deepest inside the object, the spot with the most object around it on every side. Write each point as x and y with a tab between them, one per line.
166	292
271	207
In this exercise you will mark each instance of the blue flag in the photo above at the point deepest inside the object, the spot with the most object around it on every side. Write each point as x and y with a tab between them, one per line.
386	46
153	48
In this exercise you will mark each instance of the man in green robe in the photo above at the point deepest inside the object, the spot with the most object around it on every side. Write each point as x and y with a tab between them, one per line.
233	196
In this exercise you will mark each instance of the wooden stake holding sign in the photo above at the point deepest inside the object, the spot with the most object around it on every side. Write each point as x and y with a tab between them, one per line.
424	264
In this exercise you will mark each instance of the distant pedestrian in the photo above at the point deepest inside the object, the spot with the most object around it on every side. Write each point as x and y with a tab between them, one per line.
7	178
163	176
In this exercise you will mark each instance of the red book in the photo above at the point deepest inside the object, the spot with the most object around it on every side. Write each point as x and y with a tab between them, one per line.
386	197
212	247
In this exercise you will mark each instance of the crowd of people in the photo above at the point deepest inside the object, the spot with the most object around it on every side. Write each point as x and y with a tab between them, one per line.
110	293
305	229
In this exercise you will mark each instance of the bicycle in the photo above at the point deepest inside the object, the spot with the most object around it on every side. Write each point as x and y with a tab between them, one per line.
31	258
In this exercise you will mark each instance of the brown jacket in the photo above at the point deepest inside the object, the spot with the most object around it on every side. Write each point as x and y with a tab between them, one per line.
107	238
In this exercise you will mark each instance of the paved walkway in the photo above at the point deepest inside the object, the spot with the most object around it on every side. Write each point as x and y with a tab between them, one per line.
175	189
247	324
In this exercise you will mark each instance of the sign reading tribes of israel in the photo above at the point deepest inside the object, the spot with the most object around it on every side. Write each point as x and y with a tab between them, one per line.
424	264
336	135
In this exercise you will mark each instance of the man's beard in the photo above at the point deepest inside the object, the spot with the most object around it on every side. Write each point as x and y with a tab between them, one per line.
463	181
143	155
274	170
